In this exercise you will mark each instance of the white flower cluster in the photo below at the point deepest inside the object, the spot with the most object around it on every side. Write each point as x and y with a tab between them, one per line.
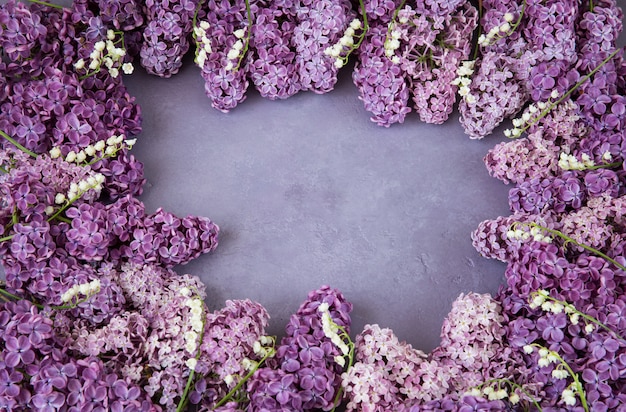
340	50
541	298
203	43
392	43
331	331
494	394
535	233
568	396
76	190
497	32
85	289
570	162
103	148
235	52
196	322
111	59
547	357
463	80
533	113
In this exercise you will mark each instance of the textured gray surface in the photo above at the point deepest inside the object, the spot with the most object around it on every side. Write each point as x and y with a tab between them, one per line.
307	191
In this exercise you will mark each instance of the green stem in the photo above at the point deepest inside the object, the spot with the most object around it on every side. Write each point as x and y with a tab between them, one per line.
16	144
248	33
350	355
604	166
45	3
570	240
480	28
365	24
566	95
577	384
234	390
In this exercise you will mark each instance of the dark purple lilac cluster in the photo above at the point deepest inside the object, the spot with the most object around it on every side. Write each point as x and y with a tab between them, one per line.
47	102
413	53
279	46
40	373
305	374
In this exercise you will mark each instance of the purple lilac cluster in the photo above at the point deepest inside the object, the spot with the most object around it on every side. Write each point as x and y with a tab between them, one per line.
272	57
321	24
381	82
304	375
40	373
225	88
496	92
433	45
601	99
231	347
46	103
280	48
166	35
498	85
414	54
569	179
86	231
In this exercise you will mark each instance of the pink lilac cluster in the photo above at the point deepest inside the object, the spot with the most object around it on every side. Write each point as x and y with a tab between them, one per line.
230	348
281	49
391	375
304	375
429	47
146	342
41	373
384	374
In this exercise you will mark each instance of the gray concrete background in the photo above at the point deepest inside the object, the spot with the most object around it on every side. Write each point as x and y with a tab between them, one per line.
307	191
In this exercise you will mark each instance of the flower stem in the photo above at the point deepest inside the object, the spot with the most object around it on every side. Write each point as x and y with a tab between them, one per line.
577	385
571	240
234	390
45	3
552	105
571	307
16	144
